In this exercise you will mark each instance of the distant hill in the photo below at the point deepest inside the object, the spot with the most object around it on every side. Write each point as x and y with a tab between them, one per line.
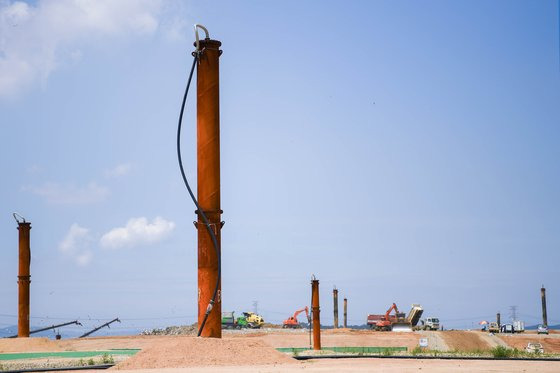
68	332
8	331
534	327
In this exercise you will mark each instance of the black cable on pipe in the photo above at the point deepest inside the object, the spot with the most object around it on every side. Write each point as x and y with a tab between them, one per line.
200	211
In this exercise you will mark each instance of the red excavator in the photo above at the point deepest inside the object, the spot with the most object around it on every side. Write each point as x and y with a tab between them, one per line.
395	323
292	322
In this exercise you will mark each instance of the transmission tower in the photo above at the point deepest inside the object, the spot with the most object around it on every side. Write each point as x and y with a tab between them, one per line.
513	313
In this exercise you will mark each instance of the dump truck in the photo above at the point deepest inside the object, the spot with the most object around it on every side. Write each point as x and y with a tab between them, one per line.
414	315
230	322
431	323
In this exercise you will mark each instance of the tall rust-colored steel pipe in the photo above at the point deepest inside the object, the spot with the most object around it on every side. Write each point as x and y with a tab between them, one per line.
24	278
543	304
335	308
315	311
208	157
345	313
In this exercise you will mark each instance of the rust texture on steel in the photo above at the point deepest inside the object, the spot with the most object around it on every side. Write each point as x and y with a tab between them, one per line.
498	319
208	172
543	303
315	312
335	307
24	279
345	312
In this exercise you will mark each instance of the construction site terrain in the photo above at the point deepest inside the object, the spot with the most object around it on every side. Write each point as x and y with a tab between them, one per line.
261	351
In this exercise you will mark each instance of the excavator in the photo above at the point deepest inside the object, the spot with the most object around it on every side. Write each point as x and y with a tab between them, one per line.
395	323
292	322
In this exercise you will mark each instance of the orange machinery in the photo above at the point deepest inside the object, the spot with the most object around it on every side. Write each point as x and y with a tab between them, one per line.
292	322
395	323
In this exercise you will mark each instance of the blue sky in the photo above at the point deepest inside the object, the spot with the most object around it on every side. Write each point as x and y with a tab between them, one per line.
403	151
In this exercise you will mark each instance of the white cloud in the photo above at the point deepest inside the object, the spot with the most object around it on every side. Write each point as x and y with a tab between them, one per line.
84	258
138	231
36	39
76	245
70	194
119	170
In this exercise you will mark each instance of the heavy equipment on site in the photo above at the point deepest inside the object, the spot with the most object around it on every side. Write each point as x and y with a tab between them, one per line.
248	320
253	320
230	322
493	327
397	322
414	315
292	321
431	323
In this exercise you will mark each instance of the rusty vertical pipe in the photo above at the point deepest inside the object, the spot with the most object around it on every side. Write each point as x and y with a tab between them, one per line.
335	307
345	313
208	172
24	278
498	319
315	312
543	303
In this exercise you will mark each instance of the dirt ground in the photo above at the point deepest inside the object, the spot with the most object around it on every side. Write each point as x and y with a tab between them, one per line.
335	338
464	340
550	343
255	352
37	344
378	365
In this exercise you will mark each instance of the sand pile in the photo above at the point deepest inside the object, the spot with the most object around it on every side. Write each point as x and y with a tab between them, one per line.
182	351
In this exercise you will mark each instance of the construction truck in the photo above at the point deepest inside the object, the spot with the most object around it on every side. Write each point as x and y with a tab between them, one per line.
493	327
388	322
292	321
430	323
414	315
518	326
253	320
230	322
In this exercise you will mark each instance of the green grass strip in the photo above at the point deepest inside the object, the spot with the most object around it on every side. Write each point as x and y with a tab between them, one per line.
350	350
66	354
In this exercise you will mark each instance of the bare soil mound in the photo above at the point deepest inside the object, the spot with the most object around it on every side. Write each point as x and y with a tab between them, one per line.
183	351
464	341
28	345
